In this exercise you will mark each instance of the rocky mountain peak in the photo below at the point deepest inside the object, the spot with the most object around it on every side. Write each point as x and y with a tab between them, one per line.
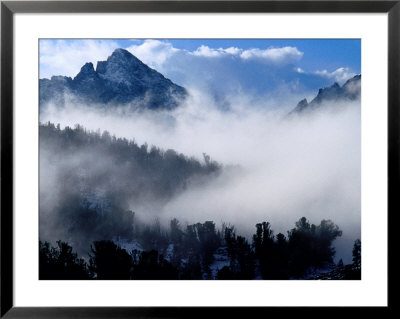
121	79
121	55
87	68
350	91
302	104
86	72
120	59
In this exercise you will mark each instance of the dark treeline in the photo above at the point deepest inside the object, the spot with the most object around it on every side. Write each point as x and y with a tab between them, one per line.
196	251
89	180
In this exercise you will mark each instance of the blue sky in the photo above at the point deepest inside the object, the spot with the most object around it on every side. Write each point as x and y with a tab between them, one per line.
283	67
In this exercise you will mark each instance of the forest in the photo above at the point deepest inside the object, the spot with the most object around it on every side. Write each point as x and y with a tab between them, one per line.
193	253
88	230
89	181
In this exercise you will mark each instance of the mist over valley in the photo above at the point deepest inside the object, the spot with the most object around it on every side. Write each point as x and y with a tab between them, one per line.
124	151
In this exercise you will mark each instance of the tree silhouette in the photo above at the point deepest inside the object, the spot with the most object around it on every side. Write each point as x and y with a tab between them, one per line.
241	257
108	261
264	247
311	245
194	253
60	263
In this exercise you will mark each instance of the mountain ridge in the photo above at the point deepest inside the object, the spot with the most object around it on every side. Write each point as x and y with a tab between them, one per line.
350	91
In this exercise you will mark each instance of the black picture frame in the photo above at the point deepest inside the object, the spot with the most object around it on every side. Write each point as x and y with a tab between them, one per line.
9	8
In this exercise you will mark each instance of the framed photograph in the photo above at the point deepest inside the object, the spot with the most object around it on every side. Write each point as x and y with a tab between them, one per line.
160	158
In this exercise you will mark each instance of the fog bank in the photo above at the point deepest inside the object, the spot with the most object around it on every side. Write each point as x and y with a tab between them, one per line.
277	169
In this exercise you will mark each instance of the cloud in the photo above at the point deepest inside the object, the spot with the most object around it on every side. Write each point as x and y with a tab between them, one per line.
224	71
277	56
66	57
153	52
205	51
340	75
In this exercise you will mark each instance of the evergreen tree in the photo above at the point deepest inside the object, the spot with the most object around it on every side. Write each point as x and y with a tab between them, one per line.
310	246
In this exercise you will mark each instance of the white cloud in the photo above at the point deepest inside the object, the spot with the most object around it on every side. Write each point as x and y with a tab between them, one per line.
153	52
206	51
222	70
340	75
280	56
233	50
66	57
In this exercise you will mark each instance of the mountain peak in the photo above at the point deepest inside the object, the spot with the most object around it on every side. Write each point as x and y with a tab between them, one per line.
123	66
302	104
122	56
122	78
87	68
350	91
122	53
86	72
